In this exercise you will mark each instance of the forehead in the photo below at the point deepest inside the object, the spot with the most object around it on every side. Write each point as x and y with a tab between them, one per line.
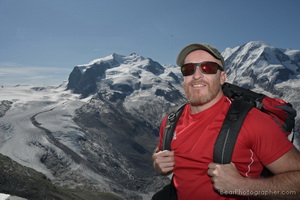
200	56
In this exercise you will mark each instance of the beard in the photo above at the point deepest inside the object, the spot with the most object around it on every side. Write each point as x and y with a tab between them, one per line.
199	97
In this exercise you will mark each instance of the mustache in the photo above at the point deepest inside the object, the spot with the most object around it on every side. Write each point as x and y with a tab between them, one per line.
202	82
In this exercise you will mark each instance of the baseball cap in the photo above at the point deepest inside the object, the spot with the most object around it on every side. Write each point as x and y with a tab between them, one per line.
199	46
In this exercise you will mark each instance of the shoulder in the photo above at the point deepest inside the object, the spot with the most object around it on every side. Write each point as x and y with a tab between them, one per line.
259	128
264	136
259	125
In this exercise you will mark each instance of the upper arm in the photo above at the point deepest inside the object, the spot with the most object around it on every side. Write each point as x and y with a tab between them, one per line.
290	161
265	137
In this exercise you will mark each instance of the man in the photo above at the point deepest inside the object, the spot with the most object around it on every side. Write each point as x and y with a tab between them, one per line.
260	142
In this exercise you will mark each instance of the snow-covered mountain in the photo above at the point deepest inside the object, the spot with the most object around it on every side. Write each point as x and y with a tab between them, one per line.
260	65
97	131
134	82
101	138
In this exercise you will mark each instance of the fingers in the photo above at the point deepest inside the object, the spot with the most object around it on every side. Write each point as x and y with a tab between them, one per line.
165	154
163	161
213	169
224	177
213	165
165	158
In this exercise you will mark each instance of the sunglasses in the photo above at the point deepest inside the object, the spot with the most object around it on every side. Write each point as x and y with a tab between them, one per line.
205	68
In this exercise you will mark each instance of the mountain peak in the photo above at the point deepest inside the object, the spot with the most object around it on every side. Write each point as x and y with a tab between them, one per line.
113	58
119	74
257	44
258	63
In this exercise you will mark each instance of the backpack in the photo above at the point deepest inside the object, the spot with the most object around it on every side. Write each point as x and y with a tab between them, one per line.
243	101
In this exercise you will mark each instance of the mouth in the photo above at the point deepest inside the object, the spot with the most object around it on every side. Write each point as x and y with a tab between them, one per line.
198	85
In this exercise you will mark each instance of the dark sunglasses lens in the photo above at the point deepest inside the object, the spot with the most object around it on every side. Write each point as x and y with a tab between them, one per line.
188	69
206	68
209	68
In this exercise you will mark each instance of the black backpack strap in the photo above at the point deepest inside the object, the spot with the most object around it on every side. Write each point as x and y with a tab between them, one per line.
232	124
171	122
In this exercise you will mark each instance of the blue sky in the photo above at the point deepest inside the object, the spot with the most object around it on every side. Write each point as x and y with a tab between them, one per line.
42	40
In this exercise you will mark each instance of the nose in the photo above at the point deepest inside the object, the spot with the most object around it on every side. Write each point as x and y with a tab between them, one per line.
198	74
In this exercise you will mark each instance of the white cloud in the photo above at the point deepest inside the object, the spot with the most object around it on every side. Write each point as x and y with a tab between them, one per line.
14	73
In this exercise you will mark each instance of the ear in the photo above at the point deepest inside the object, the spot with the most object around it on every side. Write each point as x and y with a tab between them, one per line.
223	77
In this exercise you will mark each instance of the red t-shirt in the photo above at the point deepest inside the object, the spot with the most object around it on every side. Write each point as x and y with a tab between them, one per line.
260	142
